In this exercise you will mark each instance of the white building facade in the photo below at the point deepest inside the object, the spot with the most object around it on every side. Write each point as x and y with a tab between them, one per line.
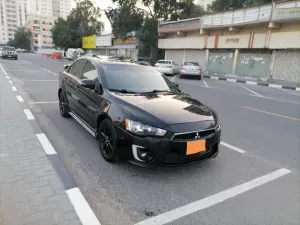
12	15
41	17
52	8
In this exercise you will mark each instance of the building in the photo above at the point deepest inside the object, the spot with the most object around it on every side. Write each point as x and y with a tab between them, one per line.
52	8
41	17
13	15
204	3
259	42
41	27
111	46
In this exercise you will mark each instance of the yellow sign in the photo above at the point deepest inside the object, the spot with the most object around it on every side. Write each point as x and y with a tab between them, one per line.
130	40
89	42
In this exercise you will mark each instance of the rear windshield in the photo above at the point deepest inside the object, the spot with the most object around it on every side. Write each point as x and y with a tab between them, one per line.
191	64
135	78
164	62
9	49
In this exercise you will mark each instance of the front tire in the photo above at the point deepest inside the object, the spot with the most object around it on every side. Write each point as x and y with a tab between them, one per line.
108	141
63	107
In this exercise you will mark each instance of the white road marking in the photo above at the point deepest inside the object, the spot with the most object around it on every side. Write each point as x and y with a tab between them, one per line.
10	81
205	83
233	148
7	77
209	201
250	90
173	78
297	89
275	86
14	88
55	102
214	78
290	92
19	98
29	114
48	148
82	208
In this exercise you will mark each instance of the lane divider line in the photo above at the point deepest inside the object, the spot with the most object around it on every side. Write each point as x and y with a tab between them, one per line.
273	114
29	114
19	98
7	77
233	147
14	88
209	201
47	146
10	81
205	83
82	208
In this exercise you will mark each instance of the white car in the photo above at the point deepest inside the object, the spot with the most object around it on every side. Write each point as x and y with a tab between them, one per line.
167	67
191	69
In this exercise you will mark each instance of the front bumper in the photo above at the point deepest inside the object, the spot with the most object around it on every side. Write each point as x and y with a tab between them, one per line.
9	56
166	152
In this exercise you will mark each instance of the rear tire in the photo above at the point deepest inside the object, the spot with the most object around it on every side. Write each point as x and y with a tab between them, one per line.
107	139
63	107
199	78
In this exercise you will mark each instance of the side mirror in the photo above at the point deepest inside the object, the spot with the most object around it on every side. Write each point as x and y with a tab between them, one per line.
88	84
66	66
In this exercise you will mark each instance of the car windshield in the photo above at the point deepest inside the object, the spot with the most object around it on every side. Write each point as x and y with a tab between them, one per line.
136	79
191	64
9	48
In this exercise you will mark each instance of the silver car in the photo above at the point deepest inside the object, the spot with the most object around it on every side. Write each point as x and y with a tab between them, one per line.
191	69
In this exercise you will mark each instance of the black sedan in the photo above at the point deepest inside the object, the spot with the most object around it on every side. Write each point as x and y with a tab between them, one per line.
136	112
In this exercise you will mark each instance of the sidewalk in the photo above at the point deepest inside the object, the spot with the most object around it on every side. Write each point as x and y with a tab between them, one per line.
31	192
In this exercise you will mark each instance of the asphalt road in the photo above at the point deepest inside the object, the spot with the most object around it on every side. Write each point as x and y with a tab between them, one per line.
260	134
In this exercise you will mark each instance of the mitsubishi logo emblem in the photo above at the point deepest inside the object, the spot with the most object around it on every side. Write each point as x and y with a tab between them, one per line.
197	136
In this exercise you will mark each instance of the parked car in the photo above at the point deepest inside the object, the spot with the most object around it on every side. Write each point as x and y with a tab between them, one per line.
167	67
136	112
191	69
7	52
71	51
145	61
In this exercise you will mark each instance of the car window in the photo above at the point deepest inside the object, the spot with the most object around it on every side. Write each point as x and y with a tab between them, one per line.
77	68
135	78
191	64
164	62
89	71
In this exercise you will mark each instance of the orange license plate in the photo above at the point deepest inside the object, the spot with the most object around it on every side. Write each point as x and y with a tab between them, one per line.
194	147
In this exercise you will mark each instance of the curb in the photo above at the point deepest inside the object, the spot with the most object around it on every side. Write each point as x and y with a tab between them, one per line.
81	206
252	83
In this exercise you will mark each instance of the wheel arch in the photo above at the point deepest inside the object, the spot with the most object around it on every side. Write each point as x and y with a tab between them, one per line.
100	118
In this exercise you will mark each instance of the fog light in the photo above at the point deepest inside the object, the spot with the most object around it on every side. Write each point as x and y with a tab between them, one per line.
141	154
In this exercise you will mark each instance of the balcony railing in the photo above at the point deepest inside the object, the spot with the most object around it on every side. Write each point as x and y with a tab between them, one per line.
287	10
181	23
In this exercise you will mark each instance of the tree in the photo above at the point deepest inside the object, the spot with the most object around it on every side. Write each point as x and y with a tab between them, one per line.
84	20
21	39
143	16
221	5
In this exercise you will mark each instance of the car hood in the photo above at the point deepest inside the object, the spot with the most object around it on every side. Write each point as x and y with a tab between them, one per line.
165	108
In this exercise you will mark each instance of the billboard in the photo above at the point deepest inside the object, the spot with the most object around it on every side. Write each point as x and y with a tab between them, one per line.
89	42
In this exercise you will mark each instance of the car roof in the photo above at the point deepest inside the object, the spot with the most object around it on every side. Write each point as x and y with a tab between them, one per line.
107	61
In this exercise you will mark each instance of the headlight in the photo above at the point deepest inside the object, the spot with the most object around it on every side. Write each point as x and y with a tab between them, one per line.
141	129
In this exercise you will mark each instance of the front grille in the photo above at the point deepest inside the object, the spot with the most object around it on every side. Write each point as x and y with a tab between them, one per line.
192	135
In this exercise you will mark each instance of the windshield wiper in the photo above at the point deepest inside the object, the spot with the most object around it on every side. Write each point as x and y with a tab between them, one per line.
157	91
124	91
